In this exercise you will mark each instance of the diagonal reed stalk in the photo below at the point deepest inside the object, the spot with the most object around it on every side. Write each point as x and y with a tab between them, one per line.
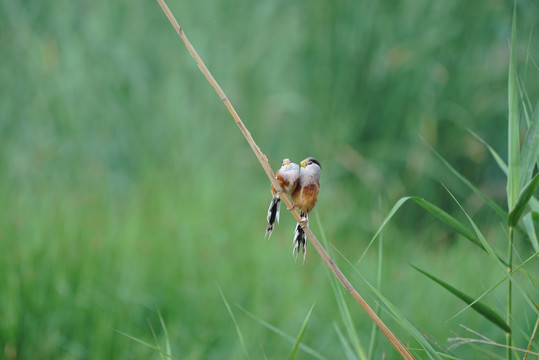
267	168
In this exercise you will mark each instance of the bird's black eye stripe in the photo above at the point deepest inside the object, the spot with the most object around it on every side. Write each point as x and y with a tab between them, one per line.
314	161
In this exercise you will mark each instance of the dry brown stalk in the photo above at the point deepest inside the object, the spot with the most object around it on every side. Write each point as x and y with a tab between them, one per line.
269	171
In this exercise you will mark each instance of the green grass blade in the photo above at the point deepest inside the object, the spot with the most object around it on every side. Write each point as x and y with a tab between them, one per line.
374	328
156	340
346	346
530	151
448	220
525	100
167	340
284	335
142	342
482	239
433	210
295	348
493	152
397	315
238	331
392	212
501	281
481	308
341	303
502	213
523	199
530	229
513	179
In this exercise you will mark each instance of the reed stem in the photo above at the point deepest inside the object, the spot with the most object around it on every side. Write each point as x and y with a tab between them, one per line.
509	293
403	351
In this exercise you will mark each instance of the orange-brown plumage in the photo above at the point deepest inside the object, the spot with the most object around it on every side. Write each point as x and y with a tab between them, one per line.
284	184
287	177
304	198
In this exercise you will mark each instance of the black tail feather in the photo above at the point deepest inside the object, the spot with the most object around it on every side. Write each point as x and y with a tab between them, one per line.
273	214
299	242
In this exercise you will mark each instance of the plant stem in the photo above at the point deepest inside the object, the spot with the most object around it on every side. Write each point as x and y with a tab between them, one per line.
509	292
403	351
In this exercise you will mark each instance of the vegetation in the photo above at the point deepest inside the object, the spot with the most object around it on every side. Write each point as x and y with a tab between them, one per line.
133	208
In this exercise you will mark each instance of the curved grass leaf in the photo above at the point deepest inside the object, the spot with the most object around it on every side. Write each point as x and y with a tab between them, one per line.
530	229
341	303
513	178
535	217
165	332
526	106
522	201
481	308
347	349
284	335
502	213
394	312
146	344
493	152
501	281
235	323
529	155
295	348
482	239
433	210
374	329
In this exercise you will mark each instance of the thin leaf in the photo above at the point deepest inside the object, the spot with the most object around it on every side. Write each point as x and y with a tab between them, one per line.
148	345
155	339
532	337
284	335
347	349
513	179
341	303
493	152
481	308
523	199
235	323
502	213
501	281
295	348
397	315
167	340
530	151
525	100
482	239
535	216
374	328
530	229
433	210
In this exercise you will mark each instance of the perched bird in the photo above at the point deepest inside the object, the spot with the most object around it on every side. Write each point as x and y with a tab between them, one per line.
304	198
287	177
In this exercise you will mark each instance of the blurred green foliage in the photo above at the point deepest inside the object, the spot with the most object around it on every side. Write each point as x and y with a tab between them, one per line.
126	188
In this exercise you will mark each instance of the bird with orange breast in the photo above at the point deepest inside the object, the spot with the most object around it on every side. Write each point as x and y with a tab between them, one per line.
304	198
287	177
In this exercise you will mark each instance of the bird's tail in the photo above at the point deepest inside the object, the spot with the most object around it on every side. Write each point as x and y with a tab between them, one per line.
273	214
299	242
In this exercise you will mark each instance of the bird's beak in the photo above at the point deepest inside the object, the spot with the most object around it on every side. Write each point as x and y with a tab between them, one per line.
302	163
287	162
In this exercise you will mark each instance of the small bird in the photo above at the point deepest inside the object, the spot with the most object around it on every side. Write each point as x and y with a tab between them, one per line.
287	177
304	198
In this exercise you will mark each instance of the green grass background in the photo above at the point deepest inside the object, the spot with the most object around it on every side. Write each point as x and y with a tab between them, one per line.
126	188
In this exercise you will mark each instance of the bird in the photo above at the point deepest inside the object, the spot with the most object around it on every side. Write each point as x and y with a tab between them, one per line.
287	177
304	198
